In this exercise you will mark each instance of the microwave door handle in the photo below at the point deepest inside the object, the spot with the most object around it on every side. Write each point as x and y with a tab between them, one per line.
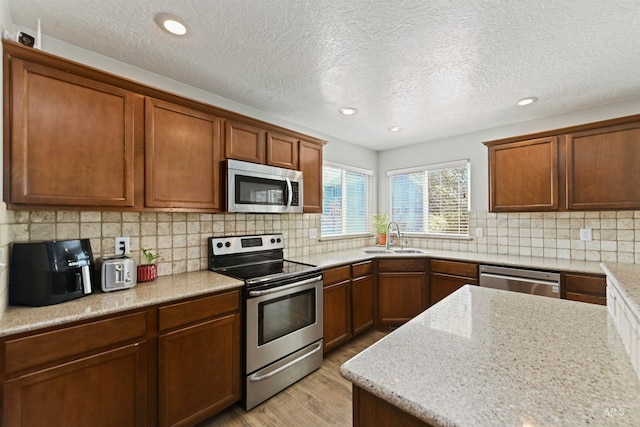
289	193
86	279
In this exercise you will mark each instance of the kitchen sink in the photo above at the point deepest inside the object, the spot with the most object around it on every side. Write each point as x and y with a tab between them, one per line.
393	251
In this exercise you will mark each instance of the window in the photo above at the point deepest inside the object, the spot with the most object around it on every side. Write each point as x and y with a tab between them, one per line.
431	199
346	202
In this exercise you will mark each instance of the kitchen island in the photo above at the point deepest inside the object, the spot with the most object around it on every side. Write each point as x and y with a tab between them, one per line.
485	357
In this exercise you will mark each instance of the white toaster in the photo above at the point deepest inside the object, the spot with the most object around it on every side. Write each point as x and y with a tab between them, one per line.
117	272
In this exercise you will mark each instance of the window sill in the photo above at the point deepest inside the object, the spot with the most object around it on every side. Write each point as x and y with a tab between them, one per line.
345	237
437	236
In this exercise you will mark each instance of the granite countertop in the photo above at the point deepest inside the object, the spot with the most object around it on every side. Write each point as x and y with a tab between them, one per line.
486	357
163	289
333	259
169	288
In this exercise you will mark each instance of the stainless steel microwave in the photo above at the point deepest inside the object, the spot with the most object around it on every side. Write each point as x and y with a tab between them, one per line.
258	188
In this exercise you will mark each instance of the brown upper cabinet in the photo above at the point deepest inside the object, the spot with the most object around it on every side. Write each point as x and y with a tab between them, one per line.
254	144
603	168
78	138
523	175
182	147
589	167
71	141
282	151
244	142
310	162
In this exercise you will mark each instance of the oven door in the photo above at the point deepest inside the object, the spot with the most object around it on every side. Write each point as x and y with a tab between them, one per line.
263	189
282	320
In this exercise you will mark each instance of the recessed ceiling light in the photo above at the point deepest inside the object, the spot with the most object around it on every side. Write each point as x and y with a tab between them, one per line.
395	129
348	111
171	24
527	101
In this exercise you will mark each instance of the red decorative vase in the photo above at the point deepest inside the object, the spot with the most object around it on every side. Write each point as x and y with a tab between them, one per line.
147	272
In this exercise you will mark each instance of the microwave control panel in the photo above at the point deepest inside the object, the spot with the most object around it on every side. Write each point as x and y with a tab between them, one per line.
295	196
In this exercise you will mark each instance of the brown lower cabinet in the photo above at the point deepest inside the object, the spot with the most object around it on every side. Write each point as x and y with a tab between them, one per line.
362	298
199	358
446	277
120	371
402	289
93	373
337	306
349	296
370	410
585	288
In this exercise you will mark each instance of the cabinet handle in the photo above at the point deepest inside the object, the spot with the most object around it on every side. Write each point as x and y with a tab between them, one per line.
255	378
282	288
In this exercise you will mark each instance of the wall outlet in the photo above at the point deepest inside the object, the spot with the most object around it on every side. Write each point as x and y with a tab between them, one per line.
585	234
123	246
313	233
479	232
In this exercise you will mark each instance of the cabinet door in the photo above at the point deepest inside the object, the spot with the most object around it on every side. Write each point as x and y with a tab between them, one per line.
337	314
107	389
282	151
523	176
362	298
198	371
591	289
310	156
442	285
72	139
244	142
602	168
401	296
182	157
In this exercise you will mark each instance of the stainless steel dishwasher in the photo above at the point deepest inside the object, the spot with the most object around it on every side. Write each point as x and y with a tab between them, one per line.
520	280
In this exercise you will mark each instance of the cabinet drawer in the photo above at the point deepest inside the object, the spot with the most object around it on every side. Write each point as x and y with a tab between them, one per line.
34	350
402	264
335	275
362	268
585	284
183	313
455	268
592	299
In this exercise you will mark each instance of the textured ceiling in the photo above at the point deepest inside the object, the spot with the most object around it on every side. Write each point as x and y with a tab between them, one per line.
436	68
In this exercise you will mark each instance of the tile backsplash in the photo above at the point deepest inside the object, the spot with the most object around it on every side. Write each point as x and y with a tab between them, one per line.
181	238
615	235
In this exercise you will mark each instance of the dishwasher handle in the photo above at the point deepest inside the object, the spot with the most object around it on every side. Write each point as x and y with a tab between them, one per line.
516	279
525	285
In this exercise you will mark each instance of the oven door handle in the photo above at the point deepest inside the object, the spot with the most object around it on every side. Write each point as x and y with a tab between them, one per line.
255	378
289	193
282	288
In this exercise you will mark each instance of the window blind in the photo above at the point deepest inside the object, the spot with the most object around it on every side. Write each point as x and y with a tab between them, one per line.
432	199
346	206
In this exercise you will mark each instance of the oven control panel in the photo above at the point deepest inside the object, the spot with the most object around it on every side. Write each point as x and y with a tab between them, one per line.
245	244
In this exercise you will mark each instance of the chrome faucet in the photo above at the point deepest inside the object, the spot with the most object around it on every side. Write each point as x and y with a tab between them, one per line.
398	234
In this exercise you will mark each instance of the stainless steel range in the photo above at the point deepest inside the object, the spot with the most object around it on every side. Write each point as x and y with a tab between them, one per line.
283	312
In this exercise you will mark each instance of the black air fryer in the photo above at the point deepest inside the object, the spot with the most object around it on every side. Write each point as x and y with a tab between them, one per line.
50	272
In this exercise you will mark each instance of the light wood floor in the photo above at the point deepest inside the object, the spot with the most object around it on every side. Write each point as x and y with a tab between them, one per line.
322	398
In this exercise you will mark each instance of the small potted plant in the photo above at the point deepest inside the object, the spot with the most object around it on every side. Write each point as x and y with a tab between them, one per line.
380	222
148	271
